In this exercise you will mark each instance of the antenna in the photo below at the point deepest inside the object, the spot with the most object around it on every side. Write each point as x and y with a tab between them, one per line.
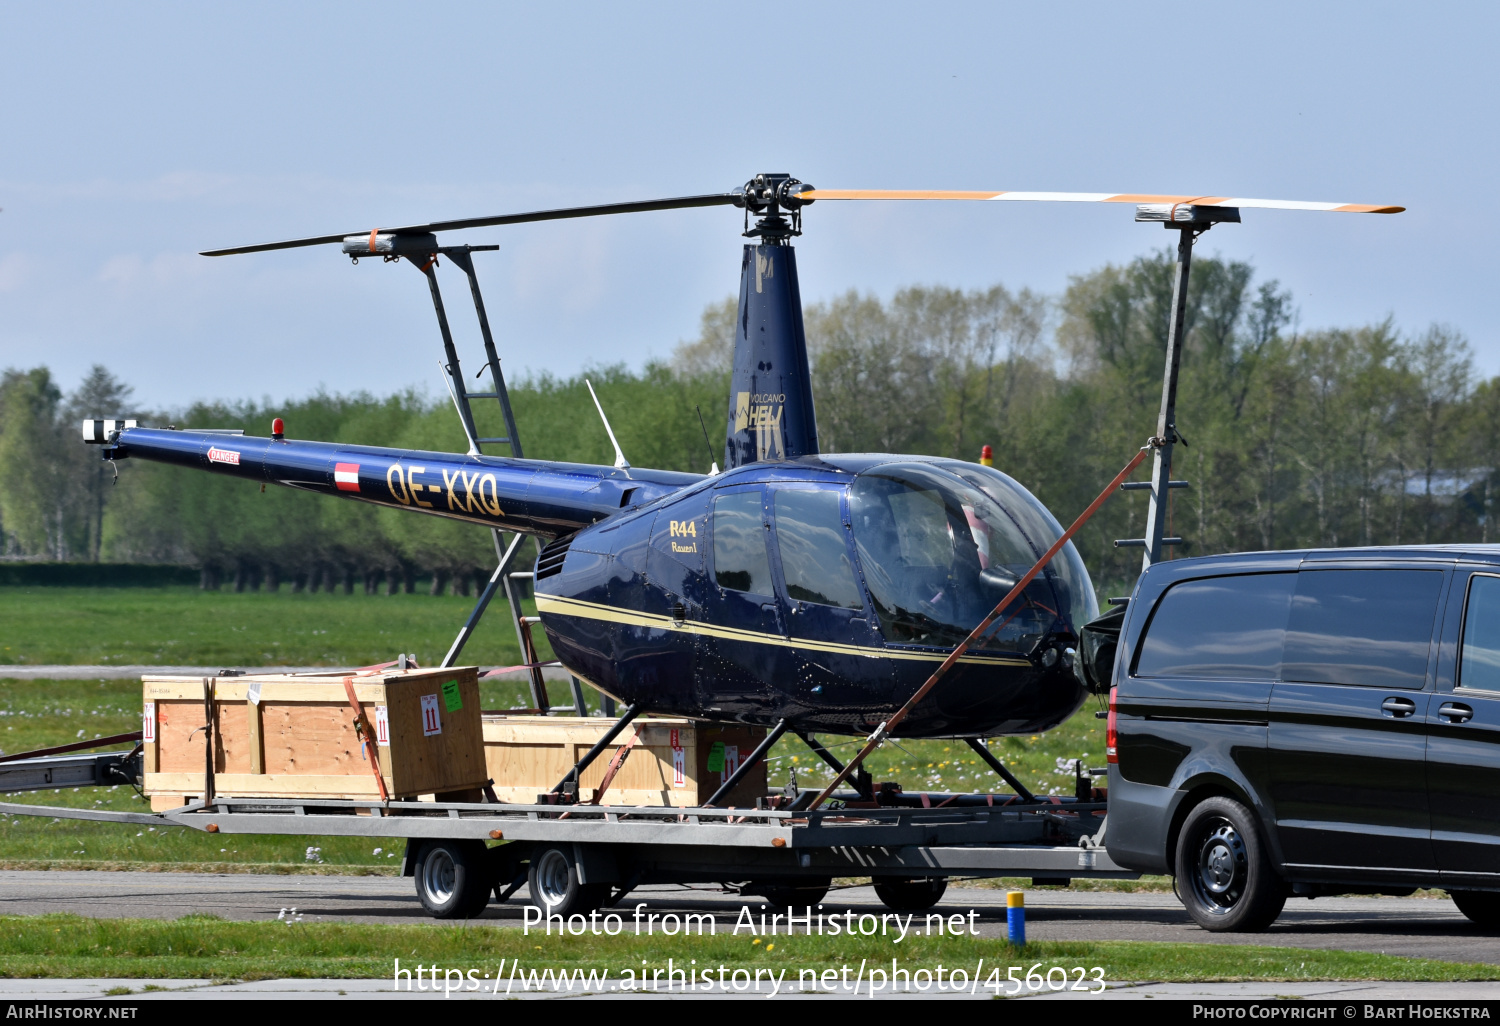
620	462
714	464
468	435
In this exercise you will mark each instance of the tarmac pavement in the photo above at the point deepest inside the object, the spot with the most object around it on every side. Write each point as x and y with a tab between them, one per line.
1419	927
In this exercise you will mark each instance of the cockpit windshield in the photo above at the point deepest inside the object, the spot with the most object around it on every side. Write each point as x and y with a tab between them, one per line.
939	548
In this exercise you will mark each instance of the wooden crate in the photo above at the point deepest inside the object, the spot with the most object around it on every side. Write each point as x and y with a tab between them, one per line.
527	755
297	740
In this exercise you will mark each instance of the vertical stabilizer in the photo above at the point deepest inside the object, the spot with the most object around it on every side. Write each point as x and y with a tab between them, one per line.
770	394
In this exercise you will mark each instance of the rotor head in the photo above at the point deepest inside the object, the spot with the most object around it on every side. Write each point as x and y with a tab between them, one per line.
768	196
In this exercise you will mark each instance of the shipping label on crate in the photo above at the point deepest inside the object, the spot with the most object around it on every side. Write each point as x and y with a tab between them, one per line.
148	723
452	700
252	695
431	722
679	764
382	727
731	761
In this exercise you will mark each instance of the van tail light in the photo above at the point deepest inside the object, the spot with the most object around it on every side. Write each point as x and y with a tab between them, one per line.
1111	735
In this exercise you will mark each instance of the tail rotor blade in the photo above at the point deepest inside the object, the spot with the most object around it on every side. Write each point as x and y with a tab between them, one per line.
1094	197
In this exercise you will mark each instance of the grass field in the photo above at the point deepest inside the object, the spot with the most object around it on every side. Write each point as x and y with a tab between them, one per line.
205	947
186	627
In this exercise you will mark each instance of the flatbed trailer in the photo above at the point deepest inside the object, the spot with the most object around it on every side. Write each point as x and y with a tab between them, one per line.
577	858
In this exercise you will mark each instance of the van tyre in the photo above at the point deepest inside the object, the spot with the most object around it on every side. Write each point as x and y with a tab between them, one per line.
555	887
1482	907
454	878
1224	876
909	895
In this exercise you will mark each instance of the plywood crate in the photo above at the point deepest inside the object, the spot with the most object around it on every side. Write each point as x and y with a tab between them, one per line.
293	736
527	755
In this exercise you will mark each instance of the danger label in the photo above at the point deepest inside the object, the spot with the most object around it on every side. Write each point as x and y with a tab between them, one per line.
224	456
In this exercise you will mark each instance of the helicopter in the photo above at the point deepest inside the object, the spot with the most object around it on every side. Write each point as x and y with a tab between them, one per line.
794	588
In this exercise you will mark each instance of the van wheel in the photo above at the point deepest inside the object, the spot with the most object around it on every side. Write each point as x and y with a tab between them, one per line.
1482	907
453	878
1223	875
555	888
910	895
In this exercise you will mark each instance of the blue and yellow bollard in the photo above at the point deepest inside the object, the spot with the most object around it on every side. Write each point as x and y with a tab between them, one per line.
1015	917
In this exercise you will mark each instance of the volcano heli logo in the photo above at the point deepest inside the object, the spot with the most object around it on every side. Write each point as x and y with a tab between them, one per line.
762	412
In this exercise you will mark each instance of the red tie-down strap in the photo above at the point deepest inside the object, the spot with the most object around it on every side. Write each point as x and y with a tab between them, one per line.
366	737
610	771
614	767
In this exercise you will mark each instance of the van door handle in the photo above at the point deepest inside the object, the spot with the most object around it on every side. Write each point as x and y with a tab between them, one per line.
1398	707
1455	712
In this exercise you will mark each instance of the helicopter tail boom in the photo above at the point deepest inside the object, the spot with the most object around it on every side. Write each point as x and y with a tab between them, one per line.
530	496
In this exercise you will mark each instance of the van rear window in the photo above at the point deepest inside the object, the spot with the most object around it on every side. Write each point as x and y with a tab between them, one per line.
1229	628
1365	627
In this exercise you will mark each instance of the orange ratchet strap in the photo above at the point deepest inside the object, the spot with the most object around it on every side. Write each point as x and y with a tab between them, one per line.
366	736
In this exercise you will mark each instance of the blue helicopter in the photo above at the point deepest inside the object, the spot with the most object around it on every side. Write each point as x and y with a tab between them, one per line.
795	589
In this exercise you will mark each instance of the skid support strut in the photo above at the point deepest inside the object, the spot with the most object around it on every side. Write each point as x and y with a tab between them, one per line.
999	767
576	773
727	788
821	752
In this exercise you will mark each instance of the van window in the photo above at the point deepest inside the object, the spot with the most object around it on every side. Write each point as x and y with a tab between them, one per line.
1365	627
1479	661
1229	628
814	555
740	561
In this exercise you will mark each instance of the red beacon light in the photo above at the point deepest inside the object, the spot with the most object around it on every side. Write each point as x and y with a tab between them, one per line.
278	430
986	457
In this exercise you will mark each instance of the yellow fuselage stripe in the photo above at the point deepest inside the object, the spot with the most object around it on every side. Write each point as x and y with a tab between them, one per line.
559	606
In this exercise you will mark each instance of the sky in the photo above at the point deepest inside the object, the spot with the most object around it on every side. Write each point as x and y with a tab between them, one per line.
135	135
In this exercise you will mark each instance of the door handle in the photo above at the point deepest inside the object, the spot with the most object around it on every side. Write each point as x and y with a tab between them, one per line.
1398	707
1455	712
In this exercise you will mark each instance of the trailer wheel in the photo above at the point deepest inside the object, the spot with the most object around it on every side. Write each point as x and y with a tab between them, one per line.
1482	907
910	895
1224	877
555	888
453	878
792	895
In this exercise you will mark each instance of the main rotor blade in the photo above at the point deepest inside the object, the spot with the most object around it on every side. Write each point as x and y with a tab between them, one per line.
673	203
1092	197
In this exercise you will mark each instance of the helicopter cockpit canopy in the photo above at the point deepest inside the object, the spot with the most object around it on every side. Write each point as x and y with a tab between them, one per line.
942	542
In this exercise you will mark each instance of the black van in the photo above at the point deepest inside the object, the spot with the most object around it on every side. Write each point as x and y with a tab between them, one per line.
1305	723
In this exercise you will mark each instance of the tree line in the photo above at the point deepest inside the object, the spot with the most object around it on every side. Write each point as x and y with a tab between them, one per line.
1336	437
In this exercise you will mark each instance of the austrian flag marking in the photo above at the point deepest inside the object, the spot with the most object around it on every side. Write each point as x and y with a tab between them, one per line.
224	456
346	476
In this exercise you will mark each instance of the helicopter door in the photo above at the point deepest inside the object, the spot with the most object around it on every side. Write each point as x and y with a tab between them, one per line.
745	651
838	665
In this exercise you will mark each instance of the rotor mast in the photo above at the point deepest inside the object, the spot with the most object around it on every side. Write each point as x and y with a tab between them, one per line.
771	415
